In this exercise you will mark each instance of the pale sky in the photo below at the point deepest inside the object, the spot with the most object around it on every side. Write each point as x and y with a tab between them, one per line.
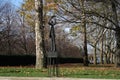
17	3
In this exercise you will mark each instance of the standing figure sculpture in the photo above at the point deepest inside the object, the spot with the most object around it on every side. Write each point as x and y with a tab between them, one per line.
52	55
52	22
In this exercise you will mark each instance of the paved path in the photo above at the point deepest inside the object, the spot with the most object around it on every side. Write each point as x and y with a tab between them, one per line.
39	78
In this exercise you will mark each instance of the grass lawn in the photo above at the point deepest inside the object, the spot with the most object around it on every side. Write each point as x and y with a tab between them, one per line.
22	72
91	73
74	71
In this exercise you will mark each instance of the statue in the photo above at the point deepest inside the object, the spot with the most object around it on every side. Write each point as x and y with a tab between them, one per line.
52	55
52	22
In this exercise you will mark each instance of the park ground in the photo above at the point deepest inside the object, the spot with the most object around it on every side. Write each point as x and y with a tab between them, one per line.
66	72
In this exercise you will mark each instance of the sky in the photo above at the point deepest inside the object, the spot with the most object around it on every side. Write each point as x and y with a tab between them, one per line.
17	3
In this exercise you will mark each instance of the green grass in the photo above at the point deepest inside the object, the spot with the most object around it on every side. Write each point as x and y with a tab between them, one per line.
22	72
91	73
74	72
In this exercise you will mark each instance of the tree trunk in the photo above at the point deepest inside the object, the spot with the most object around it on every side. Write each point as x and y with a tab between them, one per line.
105	58
111	58
108	58
95	58
101	55
117	33
85	47
85	34
106	49
38	33
117	54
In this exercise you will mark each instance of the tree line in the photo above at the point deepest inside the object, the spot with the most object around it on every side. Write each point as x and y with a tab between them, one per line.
97	21
17	33
15	36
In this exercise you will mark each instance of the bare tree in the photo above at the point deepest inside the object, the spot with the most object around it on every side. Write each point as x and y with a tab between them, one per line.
7	28
72	13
